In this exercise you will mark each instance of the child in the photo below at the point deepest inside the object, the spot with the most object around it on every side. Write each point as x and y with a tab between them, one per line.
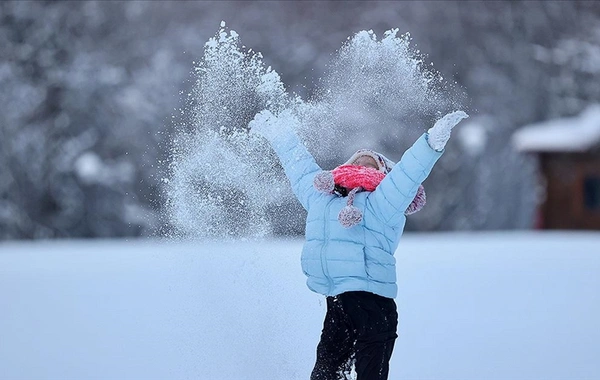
356	215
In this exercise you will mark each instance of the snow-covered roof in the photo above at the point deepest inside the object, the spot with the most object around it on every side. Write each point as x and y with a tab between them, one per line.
570	134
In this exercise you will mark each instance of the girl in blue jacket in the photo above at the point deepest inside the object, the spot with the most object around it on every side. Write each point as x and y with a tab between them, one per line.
351	236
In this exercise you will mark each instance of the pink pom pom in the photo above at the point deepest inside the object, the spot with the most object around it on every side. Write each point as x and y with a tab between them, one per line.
418	202
349	216
324	182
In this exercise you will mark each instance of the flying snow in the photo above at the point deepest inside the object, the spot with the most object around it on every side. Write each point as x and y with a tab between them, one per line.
223	181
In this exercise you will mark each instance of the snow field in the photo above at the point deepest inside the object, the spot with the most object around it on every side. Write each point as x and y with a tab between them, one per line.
520	305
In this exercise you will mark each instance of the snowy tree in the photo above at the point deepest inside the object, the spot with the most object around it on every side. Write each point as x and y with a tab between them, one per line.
91	92
80	120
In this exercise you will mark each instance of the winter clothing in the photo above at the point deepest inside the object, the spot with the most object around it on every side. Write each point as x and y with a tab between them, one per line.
352	262
352	176
418	202
337	259
347	180
385	165
350	215
359	328
440	132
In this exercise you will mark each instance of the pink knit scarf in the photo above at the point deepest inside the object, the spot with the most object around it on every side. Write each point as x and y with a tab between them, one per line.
353	176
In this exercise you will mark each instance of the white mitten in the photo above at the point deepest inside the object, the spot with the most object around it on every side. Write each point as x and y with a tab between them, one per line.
439	134
269	126
263	123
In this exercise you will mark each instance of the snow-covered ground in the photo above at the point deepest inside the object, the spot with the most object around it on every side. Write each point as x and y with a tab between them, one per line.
488	306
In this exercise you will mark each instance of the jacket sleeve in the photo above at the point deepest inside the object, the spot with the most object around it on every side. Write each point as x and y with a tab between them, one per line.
299	165
397	190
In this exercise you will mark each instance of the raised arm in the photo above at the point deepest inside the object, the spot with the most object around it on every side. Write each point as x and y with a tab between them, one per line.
397	190
299	165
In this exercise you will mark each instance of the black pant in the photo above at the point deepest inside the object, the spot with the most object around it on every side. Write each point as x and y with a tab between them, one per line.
360	329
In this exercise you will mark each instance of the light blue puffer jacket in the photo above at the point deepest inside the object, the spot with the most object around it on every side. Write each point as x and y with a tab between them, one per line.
361	258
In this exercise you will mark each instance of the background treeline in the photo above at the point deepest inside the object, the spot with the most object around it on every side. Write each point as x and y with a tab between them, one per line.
90	93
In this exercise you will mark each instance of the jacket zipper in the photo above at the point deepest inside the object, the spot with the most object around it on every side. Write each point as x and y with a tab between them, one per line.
324	251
